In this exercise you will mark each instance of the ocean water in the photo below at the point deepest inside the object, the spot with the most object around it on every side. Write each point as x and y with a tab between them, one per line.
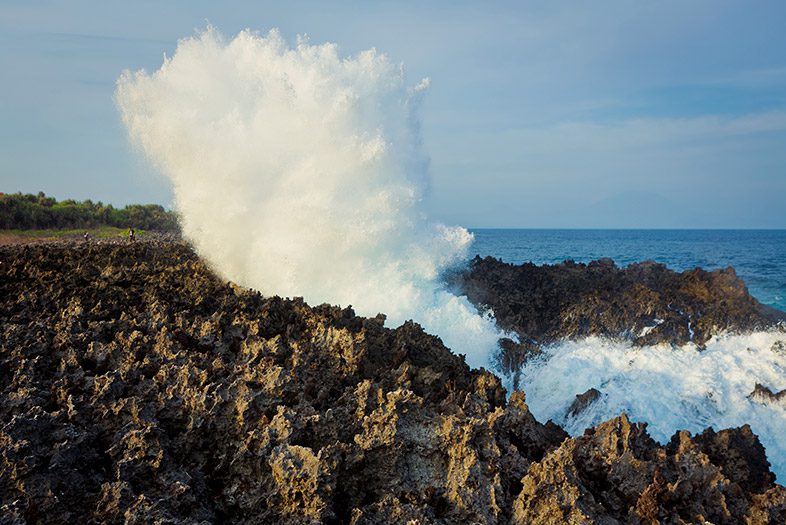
758	256
670	388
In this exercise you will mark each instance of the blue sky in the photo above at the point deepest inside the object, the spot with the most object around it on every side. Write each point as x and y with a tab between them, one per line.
539	114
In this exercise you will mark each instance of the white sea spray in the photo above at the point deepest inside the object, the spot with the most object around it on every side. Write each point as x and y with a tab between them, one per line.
300	172
670	388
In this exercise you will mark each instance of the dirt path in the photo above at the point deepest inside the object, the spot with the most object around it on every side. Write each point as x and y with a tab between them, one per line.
7	239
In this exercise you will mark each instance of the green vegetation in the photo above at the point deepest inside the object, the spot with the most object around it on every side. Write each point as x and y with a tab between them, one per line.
38	212
101	232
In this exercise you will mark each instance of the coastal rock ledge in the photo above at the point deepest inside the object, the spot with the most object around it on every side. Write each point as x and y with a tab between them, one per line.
644	303
137	387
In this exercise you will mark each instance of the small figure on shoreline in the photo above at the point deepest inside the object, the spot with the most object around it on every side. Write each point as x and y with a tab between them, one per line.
86	236
131	235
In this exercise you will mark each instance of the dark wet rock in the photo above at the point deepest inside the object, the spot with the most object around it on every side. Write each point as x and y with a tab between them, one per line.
740	455
582	401
136	386
513	356
765	396
645	303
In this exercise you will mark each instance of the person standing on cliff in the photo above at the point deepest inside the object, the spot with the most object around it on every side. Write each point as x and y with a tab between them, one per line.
131	235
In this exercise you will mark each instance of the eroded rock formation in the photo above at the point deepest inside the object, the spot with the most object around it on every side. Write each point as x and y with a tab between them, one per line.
646	302
137	387
616	474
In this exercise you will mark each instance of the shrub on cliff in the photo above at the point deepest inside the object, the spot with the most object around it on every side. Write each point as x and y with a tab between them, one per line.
28	211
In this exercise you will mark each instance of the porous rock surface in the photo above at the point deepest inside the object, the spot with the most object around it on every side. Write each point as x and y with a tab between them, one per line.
137	387
645	303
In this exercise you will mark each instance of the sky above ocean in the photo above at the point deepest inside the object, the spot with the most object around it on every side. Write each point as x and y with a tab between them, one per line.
538	114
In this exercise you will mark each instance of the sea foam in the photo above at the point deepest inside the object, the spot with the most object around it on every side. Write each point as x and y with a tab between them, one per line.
670	388
300	172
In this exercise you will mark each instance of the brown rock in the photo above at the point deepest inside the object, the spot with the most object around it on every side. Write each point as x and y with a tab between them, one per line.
135	386
582	401
646	302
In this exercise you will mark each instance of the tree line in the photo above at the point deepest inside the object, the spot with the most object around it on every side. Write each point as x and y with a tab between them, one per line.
33	212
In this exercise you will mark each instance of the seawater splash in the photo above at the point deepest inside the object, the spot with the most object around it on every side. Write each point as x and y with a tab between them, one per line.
670	388
301	173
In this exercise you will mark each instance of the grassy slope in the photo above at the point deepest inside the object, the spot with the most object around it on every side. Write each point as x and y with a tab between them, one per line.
23	236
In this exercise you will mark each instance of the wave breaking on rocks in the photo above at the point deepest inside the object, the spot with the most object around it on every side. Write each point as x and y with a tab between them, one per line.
680	350
300	172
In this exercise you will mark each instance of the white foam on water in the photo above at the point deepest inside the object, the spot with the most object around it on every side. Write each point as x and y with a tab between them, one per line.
670	388
300	172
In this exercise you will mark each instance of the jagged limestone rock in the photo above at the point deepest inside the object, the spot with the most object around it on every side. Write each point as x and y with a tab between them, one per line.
136	386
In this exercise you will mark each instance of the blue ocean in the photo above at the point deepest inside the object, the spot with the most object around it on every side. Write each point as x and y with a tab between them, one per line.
758	256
